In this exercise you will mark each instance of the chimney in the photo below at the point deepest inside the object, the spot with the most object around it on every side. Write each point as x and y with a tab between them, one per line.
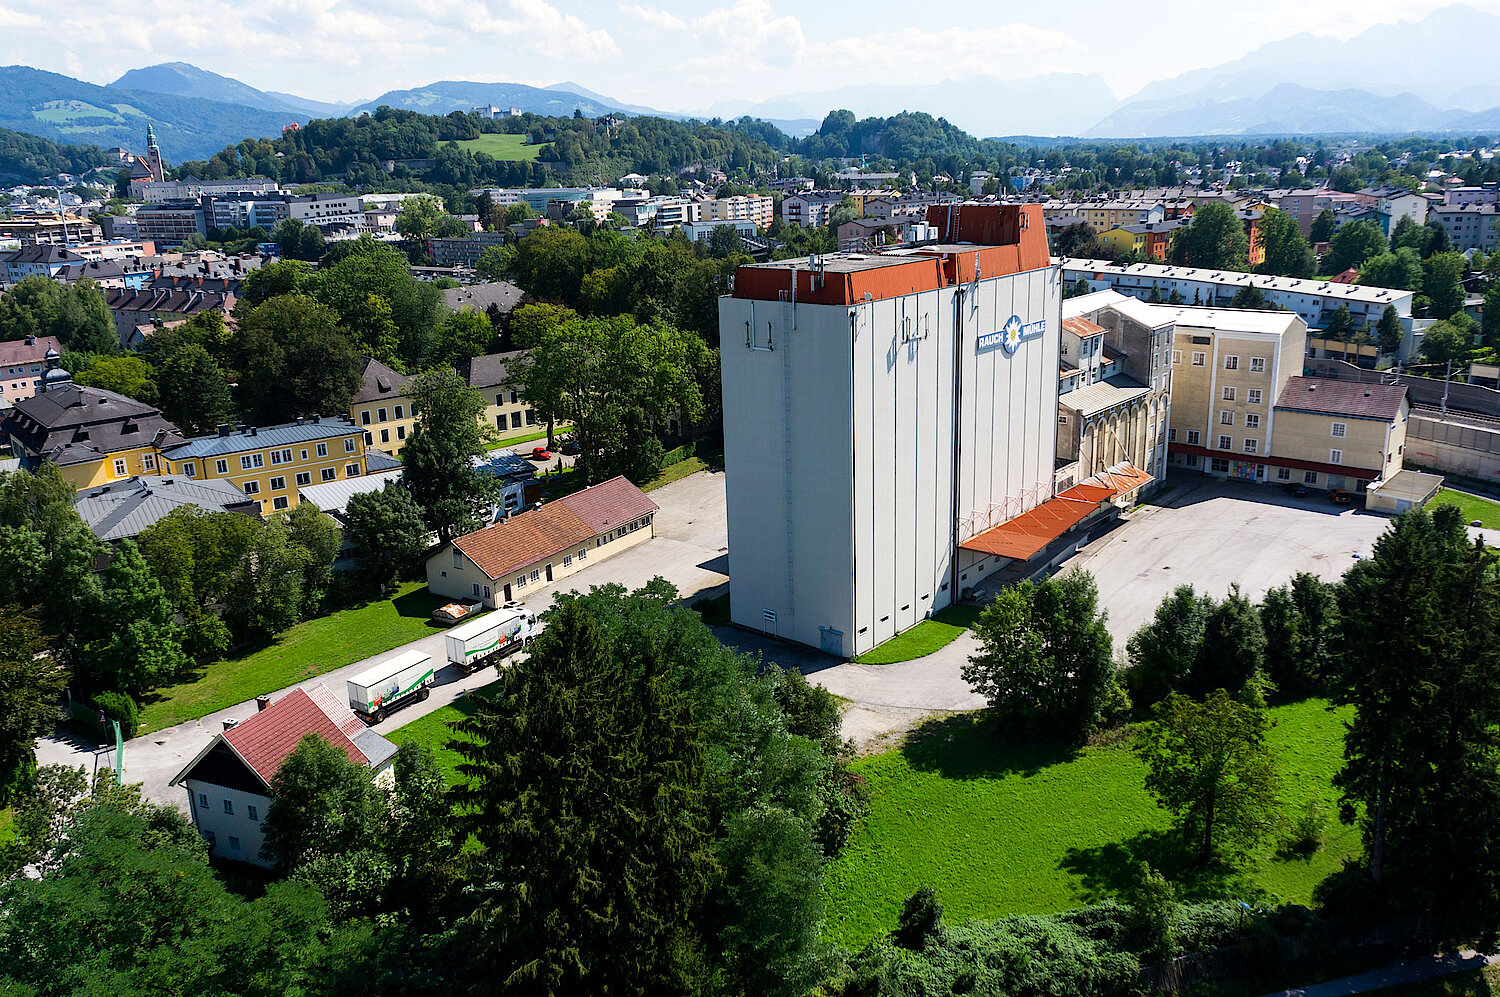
231	724
261	702
224	429
254	430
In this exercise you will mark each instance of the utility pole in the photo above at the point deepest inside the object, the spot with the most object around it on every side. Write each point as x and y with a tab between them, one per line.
1446	378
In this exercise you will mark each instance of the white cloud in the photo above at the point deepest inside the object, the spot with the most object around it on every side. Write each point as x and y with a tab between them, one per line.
655	16
10	18
1009	51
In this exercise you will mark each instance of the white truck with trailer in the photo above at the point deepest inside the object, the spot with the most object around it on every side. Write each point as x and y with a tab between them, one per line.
491	638
390	685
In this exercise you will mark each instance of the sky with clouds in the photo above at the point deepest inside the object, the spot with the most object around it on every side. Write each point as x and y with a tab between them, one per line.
664	53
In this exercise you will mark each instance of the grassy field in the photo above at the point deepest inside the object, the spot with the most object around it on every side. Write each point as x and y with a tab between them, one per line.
1487	511
924	638
434	731
306	650
506	148
1483	982
1000	830
7	826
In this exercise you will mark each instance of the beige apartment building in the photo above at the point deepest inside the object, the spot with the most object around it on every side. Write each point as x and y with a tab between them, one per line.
506	411
382	407
1228	369
1338	434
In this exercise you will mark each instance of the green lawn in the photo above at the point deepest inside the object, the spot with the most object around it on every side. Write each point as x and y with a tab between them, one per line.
506	148
509	441
924	638
1002	830
1487	511
7	826
435	732
304	651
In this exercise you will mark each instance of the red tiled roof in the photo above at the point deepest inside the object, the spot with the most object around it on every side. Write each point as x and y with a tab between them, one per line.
265	739
1025	536
609	504
516	542
537	533
1352	398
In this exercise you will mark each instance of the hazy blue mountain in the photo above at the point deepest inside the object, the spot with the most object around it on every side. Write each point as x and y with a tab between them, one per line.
1287	109
186	80
1434	58
460	95
1056	104
568	86
67	110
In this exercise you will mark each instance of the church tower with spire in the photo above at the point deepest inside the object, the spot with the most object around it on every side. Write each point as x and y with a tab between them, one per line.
153	156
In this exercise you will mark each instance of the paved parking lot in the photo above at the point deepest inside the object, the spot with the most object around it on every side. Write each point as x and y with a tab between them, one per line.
1209	534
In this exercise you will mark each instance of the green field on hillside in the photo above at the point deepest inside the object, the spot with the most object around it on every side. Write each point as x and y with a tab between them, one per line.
1000	830
506	148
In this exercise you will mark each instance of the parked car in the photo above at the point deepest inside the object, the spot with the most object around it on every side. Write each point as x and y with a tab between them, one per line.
541	453
569	449
1340	496
1293	488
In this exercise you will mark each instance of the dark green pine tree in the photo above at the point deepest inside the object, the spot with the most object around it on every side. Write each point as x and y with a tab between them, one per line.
1422	668
587	791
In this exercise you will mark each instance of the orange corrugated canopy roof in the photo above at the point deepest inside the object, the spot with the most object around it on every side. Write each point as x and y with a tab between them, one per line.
1025	536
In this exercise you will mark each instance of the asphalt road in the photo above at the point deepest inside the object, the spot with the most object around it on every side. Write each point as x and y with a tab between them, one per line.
688	550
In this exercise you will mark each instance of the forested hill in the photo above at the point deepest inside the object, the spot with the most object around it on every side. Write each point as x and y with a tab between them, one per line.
581	149
27	158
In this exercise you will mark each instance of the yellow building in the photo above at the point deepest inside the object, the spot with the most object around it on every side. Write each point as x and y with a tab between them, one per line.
1228	368
382	407
271	463
94	436
506	411
1338	434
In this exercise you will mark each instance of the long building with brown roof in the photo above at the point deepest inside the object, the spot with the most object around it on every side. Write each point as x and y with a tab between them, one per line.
512	558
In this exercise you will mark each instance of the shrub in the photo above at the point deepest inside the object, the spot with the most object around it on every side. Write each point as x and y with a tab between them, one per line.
678	454
1308	832
115	706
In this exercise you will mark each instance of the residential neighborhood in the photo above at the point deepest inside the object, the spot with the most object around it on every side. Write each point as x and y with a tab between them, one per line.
761	521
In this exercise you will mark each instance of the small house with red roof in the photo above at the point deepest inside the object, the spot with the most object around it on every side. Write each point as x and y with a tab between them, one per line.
514	557
228	782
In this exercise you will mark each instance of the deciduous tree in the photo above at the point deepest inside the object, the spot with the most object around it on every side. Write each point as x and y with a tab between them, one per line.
1287	253
322	803
439	457
1163	651
30	685
1209	764
1215	240
294	361
1045	661
386	531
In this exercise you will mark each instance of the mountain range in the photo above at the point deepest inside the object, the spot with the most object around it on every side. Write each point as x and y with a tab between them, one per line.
1429	75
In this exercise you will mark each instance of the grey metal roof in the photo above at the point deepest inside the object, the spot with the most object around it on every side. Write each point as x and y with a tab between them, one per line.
377	461
1090	399
123	509
487	371
334	496
374	747
75	424
259	438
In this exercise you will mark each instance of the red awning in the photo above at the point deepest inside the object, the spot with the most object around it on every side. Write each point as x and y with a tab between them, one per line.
1028	534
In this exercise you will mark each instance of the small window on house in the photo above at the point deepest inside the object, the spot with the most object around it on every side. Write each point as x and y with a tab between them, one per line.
536	576
304	478
1193	437
1226	418
531	417
1198	358
1340	429
351	470
1171	436
1253	396
202	799
1309	477
280	502
304	453
583	555
278	484
380	416
1231	363
364	418
252	487
1229	392
567	560
1283	474
330	473
148	461
234	843
252	811
322	450
1335	456
474	589
1225	443
369	440
515	396
1219	465
385	436
1252	446
229	807
120	468
221	467
400	410
1177	357
1257	365
520	581
1252	421
349	446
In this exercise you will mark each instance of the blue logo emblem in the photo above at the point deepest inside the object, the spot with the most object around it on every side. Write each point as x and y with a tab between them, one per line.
1011	335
